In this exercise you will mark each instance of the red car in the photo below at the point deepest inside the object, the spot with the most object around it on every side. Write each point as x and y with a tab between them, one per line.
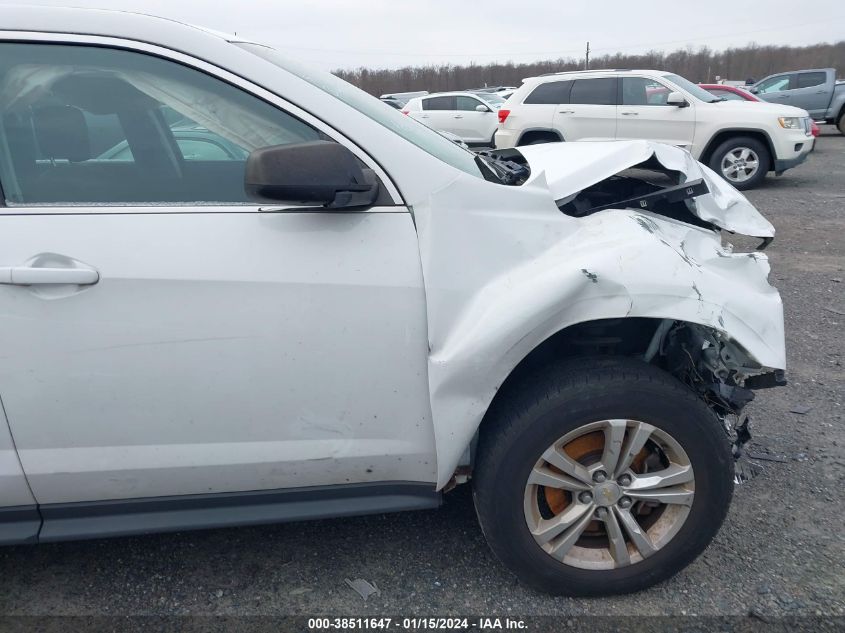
739	94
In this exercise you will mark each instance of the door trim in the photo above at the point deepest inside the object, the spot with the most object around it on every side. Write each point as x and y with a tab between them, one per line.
19	524
99	519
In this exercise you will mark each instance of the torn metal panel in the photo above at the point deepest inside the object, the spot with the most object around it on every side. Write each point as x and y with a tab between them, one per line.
571	167
505	269
362	587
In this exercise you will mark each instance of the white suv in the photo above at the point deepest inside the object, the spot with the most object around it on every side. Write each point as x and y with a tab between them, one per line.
341	312
469	116
741	142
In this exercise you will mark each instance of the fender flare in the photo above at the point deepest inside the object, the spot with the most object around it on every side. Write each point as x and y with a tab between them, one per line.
722	135
545	130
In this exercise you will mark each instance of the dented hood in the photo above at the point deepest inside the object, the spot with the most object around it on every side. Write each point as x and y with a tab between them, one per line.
568	168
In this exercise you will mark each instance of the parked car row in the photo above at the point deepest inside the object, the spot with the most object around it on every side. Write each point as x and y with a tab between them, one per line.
469	115
740	142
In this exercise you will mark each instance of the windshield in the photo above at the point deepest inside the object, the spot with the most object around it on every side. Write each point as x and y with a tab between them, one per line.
492	99
696	91
408	128
727	95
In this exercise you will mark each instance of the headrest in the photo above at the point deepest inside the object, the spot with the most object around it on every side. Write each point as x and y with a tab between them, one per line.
61	132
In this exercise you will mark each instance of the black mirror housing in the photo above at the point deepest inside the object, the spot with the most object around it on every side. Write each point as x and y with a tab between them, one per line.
314	173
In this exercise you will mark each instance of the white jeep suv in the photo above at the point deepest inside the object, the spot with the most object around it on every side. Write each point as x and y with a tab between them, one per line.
738	141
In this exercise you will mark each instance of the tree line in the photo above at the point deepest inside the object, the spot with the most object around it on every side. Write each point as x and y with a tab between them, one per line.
701	65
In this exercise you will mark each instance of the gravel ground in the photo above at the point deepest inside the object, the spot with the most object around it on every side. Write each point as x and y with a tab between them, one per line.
780	553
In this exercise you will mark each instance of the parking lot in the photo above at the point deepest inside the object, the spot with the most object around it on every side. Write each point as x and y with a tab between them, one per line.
780	552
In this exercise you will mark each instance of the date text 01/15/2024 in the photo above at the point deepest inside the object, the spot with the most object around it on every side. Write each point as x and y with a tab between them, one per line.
416	624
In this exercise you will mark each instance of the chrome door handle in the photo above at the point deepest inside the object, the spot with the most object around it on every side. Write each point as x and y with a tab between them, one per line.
630	113
30	276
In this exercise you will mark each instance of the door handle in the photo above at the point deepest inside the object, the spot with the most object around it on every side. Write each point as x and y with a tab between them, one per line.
630	113
423	116
459	116
566	111
30	276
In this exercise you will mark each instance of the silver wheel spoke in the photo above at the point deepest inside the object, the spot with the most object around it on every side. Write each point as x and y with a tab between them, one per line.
639	538
614	435
676	495
618	546
673	475
565	541
598	484
740	164
543	476
562	461
637	437
547	529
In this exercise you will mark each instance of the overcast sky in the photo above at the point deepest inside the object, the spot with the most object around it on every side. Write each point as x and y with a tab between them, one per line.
391	33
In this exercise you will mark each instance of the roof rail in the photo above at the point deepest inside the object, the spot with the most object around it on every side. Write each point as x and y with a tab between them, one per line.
592	70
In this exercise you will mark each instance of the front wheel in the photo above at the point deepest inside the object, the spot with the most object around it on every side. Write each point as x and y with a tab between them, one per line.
742	161
601	477
840	124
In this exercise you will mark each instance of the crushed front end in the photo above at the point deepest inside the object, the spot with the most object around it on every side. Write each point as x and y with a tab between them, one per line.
660	181
724	376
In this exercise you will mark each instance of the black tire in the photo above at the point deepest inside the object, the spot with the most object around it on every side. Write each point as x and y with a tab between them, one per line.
533	415
765	160
840	124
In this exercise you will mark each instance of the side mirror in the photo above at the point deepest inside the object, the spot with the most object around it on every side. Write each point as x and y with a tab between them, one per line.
482	108
753	90
676	99
314	173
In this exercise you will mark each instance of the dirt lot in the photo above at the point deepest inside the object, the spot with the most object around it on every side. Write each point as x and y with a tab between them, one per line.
781	551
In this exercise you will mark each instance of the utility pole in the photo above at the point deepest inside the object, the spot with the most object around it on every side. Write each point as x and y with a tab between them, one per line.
587	58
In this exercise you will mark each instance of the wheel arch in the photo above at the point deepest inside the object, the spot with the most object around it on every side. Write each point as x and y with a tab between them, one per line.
628	336
633	332
724	135
537	132
837	120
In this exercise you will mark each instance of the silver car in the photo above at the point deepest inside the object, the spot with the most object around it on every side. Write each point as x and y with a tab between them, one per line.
343	312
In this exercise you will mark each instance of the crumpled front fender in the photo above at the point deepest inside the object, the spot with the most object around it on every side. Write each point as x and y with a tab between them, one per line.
509	270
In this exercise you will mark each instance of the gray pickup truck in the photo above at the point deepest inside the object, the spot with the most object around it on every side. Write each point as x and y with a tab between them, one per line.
815	90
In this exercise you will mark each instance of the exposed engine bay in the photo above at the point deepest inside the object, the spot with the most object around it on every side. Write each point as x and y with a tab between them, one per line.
723	375
648	185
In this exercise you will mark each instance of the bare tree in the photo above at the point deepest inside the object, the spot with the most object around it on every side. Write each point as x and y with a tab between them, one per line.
700	65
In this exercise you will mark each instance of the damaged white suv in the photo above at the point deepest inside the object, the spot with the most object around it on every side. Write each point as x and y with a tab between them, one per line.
280	299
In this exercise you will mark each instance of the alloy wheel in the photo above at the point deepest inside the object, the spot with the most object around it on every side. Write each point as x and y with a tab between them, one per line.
609	494
740	164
